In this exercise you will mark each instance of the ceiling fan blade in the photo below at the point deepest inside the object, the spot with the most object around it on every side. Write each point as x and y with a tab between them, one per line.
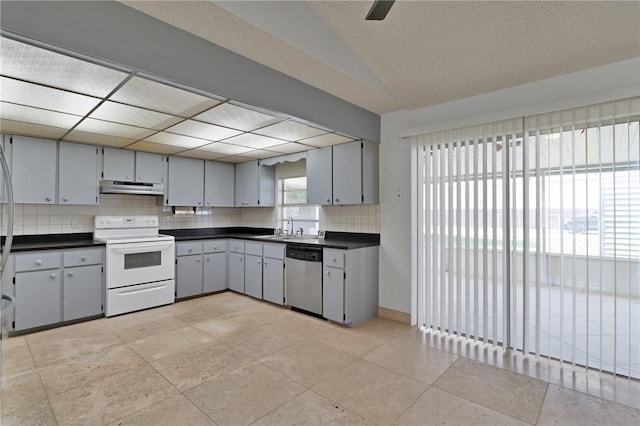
379	10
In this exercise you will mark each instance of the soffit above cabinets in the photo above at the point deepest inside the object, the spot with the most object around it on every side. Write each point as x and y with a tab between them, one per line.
49	94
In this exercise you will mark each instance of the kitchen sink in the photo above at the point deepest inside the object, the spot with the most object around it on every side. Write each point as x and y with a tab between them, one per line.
288	238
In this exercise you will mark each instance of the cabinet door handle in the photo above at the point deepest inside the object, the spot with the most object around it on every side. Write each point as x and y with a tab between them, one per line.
140	178
328	273
258	262
198	260
337	200
38	262
70	274
265	263
333	260
52	276
83	258
48	198
65	199
328	200
190	250
208	203
199	202
215	247
127	177
241	259
208	259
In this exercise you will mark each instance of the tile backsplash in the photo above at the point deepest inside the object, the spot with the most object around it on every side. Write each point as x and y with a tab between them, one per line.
55	219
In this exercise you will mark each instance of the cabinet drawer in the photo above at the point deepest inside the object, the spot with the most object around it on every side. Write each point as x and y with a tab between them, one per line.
37	261
185	249
83	257
333	258
253	248
236	246
273	251
215	246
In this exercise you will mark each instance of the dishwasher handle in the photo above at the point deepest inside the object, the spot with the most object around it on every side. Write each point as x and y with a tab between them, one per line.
307	254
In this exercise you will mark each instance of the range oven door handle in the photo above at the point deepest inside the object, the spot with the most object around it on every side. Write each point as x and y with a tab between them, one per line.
140	247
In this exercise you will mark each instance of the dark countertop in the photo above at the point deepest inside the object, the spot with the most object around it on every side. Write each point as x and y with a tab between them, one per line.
338	240
53	242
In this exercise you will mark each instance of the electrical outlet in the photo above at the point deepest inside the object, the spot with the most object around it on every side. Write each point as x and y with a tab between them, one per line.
75	222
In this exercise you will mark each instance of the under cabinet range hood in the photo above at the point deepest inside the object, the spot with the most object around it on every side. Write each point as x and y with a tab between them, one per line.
120	187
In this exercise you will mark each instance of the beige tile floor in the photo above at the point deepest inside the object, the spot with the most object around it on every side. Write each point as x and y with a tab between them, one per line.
228	359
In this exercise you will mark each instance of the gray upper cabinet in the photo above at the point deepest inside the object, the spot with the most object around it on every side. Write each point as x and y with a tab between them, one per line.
246	184
148	167
219	184
185	186
255	185
131	166
33	169
343	174
118	164
78	174
319	174
347	173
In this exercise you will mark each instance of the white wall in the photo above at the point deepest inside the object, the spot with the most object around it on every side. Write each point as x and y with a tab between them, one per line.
614	81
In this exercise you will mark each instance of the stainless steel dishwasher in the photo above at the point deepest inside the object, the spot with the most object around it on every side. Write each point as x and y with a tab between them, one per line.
304	278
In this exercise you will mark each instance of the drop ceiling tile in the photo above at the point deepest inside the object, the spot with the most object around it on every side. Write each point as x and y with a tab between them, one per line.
125	114
108	128
326	140
226	149
289	148
43	66
236	117
254	141
29	94
203	130
37	116
290	131
184	142
30	129
97	139
157	148
200	154
160	97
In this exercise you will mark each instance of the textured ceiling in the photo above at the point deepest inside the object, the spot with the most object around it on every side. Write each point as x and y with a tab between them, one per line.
425	52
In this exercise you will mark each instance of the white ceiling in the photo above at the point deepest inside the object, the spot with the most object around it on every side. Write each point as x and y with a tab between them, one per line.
424	53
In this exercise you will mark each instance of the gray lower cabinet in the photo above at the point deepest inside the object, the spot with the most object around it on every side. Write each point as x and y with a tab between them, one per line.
189	276
82	292
215	272
333	294
38	299
273	280
201	267
350	285
54	286
236	272
253	276
273	273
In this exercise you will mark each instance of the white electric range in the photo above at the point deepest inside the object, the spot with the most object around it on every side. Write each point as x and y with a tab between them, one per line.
140	263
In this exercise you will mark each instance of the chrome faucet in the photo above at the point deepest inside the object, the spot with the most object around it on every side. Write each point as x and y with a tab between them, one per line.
290	222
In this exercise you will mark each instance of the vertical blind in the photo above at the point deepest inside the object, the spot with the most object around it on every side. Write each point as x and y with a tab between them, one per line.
528	234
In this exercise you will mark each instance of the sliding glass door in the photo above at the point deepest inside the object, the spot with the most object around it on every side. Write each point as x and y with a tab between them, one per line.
528	235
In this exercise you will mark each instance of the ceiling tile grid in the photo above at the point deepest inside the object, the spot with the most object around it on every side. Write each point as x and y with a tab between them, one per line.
48	94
